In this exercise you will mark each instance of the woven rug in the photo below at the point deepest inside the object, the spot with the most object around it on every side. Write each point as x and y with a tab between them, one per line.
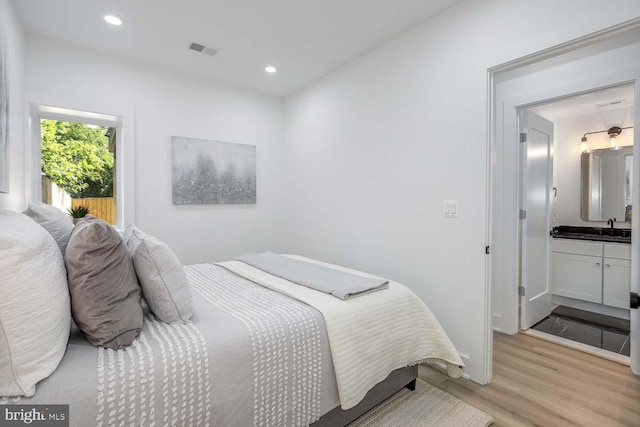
426	406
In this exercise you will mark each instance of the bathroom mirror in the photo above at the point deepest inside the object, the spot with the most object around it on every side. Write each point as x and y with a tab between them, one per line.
607	177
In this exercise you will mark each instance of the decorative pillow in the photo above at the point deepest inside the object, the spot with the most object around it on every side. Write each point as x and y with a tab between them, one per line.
35	317
105	295
164	284
53	220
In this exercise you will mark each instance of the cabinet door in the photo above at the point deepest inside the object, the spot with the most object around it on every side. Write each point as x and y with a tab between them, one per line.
617	277
577	276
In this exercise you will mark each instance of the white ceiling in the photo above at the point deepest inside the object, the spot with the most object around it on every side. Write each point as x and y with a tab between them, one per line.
588	103
305	40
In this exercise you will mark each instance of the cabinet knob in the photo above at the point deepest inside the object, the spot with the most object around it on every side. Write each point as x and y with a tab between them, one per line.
597	264
607	265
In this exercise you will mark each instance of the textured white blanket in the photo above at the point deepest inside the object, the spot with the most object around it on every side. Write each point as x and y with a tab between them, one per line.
370	336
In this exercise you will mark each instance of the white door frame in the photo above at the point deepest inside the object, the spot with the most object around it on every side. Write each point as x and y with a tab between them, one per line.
511	176
501	222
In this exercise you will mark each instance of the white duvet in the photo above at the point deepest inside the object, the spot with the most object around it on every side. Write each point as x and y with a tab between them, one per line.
370	336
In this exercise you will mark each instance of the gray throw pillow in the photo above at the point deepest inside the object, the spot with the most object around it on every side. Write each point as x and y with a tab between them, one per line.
105	295
165	286
56	222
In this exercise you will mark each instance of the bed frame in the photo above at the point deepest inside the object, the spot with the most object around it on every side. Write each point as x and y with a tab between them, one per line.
403	377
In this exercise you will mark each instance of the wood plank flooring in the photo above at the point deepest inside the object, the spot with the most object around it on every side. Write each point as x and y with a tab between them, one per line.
537	383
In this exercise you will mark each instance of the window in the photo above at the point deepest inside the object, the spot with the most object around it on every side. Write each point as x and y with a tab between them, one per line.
65	129
78	168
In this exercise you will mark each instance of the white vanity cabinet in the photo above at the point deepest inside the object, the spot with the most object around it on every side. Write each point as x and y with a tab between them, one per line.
590	271
576	269
616	275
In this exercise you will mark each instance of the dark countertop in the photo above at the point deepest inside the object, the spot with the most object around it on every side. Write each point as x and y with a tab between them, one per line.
600	234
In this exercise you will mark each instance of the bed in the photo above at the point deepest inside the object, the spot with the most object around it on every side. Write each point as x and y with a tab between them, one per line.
259	350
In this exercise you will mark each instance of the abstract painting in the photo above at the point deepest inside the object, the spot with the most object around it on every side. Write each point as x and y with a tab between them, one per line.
4	118
212	172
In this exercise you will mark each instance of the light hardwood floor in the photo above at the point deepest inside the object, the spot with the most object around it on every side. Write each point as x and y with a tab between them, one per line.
538	383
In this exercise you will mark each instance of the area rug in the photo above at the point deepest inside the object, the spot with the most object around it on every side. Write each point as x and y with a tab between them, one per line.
426	406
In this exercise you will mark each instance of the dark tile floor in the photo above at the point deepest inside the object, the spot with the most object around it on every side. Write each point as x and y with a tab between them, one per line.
609	334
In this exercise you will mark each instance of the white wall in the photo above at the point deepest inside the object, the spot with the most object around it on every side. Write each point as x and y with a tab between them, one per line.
169	103
374	148
15	50
566	164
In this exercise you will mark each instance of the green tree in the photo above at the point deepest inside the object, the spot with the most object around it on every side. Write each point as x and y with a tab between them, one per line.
76	157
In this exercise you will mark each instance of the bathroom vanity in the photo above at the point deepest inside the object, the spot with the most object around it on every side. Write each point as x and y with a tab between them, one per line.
591	266
590	270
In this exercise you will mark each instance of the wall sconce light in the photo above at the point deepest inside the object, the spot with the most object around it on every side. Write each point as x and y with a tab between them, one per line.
585	147
613	133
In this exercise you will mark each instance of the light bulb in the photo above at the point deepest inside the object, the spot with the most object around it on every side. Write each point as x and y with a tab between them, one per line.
113	20
613	142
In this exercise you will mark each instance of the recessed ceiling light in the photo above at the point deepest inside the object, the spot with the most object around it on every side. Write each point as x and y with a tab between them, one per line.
270	69
113	20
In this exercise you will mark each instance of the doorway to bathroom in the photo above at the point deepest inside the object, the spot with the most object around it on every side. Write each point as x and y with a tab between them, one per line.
570	73
576	211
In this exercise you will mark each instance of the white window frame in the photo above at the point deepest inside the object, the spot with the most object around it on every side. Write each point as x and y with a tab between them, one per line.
95	113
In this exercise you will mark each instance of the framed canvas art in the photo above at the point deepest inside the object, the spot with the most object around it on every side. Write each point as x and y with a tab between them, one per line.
212	172
4	117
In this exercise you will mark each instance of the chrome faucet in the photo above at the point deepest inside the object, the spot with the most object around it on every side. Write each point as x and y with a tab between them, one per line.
611	221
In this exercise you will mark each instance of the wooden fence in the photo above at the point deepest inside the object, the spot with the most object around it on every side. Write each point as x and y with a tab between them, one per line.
101	207
54	195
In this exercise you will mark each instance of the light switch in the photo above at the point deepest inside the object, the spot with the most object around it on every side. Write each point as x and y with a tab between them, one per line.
450	209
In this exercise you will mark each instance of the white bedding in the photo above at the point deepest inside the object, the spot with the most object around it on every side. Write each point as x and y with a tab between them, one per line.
250	357
369	336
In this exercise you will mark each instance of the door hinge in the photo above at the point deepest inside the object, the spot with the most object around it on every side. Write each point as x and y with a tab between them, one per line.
523	214
486	250
521	291
523	137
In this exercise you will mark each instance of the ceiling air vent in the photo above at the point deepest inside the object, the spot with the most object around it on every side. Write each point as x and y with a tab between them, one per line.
610	104
200	48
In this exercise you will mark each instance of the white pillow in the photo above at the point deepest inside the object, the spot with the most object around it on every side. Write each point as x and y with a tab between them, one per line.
56	222
164	284
35	313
